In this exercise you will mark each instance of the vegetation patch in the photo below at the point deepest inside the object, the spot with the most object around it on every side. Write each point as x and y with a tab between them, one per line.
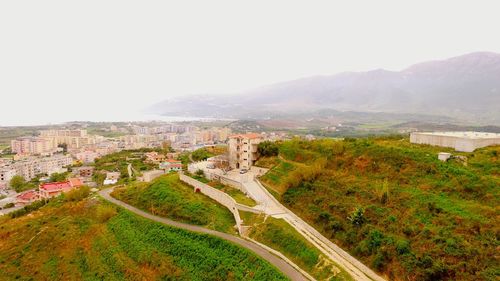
93	240
279	235
167	196
395	206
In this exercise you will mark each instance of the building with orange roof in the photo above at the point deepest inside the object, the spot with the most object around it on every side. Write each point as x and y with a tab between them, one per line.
27	197
52	189
243	150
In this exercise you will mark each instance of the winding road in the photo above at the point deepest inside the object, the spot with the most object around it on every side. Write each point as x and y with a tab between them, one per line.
283	266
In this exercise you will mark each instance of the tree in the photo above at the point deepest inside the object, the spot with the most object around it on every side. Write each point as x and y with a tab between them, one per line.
268	148
64	146
57	177
17	182
201	154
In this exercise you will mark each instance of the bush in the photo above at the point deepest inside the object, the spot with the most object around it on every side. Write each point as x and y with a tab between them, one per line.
201	154
9	205
29	208
268	148
357	217
17	182
77	194
105	212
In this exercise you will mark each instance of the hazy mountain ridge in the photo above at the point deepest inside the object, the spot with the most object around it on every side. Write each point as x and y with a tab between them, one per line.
465	87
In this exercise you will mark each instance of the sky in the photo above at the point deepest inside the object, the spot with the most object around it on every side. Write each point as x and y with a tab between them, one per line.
108	60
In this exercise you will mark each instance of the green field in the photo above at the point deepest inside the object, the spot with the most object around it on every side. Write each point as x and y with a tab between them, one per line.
167	196
279	235
93	240
395	206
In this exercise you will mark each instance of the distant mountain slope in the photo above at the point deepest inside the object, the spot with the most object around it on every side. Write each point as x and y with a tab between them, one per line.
466	87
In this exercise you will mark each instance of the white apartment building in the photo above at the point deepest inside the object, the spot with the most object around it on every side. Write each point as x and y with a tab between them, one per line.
32	145
87	156
30	167
73	138
6	174
243	150
460	141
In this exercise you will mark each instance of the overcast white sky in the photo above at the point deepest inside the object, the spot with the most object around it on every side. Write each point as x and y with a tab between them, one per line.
106	60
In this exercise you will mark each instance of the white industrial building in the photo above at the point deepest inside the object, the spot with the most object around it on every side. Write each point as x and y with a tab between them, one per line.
460	141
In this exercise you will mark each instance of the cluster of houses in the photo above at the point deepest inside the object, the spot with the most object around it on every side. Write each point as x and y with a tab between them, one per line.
48	190
166	164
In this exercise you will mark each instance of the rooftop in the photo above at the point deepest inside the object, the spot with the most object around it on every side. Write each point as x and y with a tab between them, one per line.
467	135
247	136
28	195
54	186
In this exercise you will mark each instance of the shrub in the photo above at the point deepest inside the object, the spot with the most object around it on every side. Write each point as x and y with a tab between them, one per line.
105	212
357	217
17	182
9	205
77	194
268	148
201	154
29	208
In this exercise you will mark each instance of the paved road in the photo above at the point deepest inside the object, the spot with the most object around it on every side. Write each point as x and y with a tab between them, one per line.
271	206
284	267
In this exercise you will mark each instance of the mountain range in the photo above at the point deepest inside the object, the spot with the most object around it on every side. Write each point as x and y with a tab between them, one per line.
466	87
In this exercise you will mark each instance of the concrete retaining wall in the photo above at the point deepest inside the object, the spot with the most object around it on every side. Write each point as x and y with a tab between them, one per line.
217	195
218	177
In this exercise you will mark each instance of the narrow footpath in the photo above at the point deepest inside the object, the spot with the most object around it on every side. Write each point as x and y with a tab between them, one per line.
283	266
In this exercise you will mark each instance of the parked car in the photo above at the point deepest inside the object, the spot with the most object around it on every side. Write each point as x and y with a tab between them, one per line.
243	171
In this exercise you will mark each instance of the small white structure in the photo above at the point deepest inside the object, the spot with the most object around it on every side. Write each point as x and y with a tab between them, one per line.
111	178
444	156
460	141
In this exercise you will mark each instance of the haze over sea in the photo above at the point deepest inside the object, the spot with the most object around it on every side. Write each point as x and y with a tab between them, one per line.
18	120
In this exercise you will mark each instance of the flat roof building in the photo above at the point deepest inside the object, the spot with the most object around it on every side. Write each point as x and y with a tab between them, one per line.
460	141
243	150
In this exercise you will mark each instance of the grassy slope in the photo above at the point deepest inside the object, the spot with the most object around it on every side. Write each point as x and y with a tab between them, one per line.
169	197
91	240
279	235
423	219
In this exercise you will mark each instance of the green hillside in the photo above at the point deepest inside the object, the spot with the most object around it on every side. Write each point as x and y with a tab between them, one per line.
168	197
395	206
93	240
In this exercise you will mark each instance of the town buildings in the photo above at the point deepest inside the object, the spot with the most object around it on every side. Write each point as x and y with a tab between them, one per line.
6	174
154	157
27	197
84	171
171	165
74	139
53	189
243	150
111	178
32	145
460	141
87	156
30	167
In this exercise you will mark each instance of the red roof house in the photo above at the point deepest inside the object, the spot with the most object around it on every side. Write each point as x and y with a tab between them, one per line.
52	189
27	197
